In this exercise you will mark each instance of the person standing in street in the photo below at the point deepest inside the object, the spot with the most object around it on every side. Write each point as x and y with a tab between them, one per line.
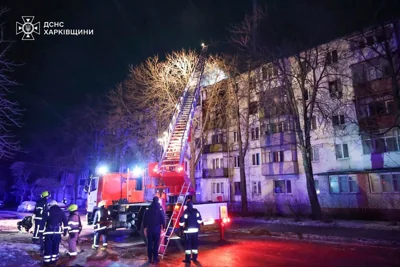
101	221
74	229
153	225
40	210
54	224
191	220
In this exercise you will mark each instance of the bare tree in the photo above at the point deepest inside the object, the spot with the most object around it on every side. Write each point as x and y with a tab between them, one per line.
22	179
9	110
305	83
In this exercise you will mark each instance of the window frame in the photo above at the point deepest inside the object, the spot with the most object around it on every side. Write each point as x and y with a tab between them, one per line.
286	183
256	188
342	151
381	187
350	179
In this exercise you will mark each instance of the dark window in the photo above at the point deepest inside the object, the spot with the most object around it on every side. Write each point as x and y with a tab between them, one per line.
277	156
338	120
237	188
253	108
313	123
370	40
282	187
332	57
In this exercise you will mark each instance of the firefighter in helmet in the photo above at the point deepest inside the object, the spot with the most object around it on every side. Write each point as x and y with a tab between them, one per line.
191	220
101	221
74	229
54	224
39	212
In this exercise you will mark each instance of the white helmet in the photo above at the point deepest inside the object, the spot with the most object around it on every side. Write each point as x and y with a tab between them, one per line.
53	203
101	203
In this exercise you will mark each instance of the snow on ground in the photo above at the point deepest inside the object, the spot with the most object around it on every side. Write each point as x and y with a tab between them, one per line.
377	225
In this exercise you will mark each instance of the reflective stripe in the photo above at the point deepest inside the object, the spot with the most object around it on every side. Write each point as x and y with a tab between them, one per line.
197	214
185	216
199	221
191	230
38	218
188	252
96	246
47	257
73	253
74	231
101	228
181	224
195	251
104	244
73	223
52	233
47	260
39	208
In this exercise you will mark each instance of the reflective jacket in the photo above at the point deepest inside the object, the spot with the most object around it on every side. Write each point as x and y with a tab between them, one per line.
102	219
40	209
54	222
191	220
74	223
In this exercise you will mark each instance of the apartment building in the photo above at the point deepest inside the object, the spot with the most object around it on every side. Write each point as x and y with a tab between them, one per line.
355	145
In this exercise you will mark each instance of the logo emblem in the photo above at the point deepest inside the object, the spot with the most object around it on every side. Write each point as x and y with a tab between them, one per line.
28	28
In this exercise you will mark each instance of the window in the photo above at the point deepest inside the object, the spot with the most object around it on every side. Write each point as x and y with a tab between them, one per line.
217	139
314	153
278	127
338	120
343	184
381	143
313	123
269	71
277	156
237	188
316	185
335	89
385	183
217	188
370	40
342	151
198	166
376	108
236	163
254	133
255	159
235	137
389	104
282	187
332	57
256	188
253	108
217	163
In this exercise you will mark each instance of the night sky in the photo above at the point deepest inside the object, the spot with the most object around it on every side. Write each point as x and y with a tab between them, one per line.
59	71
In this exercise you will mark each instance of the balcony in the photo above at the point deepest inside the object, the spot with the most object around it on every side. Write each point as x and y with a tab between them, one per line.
215	173
375	87
280	168
215	148
278	139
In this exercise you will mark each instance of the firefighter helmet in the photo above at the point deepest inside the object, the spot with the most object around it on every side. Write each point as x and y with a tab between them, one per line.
45	194
53	203
101	203
73	207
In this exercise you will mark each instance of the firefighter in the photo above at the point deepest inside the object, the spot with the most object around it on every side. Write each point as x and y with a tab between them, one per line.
54	224
101	221
153	225
191	220
40	209
74	229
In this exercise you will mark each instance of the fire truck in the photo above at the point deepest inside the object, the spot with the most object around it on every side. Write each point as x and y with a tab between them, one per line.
128	195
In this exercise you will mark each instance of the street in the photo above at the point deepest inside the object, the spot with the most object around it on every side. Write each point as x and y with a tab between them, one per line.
240	249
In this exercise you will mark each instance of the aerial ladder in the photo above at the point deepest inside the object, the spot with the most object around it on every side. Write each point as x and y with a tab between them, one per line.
171	164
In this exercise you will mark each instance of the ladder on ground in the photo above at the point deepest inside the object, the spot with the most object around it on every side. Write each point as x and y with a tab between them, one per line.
174	220
179	128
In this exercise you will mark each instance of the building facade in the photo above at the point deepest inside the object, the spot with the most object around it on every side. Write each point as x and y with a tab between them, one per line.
355	145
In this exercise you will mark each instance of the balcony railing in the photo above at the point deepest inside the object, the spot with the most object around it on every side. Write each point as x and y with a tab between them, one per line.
214	148
215	173
375	87
278	139
280	168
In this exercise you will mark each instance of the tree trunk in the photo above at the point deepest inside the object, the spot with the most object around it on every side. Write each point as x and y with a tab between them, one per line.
316	213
